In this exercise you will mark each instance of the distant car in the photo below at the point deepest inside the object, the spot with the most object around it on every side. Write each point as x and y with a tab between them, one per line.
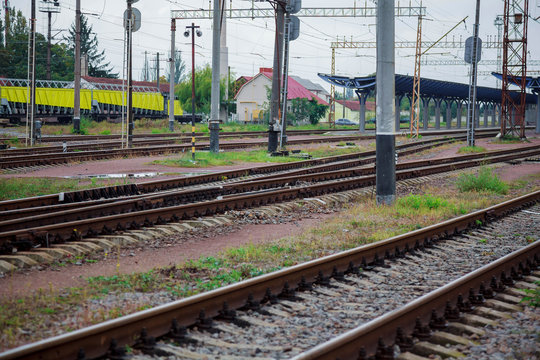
404	120
371	121
345	122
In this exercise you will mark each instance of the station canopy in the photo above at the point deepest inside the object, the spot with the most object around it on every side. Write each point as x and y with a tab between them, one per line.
530	82
429	88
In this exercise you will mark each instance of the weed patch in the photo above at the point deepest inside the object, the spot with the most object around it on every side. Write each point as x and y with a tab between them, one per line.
485	180
471	149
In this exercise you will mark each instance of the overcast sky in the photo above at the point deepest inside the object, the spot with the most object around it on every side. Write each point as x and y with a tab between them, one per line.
250	41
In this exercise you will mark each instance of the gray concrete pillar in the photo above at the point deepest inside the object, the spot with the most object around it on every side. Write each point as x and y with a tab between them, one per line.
449	114
477	117
494	113
362	113
438	114
486	113
398	111
425	110
458	113
538	113
385	162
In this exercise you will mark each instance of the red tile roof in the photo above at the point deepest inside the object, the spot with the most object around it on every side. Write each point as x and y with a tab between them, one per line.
295	90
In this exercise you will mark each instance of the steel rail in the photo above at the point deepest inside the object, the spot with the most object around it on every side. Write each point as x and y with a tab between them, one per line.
40	159
151	211
94	341
380	334
27	206
166	184
341	170
80	138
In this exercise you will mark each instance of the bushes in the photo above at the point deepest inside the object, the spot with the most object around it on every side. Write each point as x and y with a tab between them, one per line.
485	180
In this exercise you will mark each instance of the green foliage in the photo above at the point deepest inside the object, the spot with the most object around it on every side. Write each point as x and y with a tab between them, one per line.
89	46
179	69
533	296
485	180
203	89
85	124
302	108
14	56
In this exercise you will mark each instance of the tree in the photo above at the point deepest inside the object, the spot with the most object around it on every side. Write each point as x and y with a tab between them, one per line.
179	69
14	57
203	90
304	109
89	46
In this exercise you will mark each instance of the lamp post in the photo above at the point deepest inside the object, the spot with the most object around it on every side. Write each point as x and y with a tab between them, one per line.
191	30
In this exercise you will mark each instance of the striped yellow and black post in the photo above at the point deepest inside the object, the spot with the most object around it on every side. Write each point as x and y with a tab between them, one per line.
193	141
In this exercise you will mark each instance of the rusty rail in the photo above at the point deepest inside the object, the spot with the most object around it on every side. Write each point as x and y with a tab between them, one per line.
164	320
380	334
177	182
144	212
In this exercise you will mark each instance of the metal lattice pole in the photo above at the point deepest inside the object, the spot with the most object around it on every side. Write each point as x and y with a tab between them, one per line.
415	106
332	113
514	68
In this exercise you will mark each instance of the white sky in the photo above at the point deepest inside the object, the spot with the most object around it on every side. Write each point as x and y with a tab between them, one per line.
251	42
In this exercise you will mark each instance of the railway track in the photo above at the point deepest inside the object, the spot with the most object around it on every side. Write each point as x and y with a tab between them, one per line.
23	161
342	298
42	227
20	159
184	181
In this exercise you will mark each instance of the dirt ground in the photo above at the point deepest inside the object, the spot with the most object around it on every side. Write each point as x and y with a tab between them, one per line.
139	259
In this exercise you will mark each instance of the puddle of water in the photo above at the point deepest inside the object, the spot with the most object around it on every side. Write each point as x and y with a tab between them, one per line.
131	176
113	176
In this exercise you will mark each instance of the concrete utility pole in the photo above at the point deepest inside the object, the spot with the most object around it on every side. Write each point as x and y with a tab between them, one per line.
157	70
32	73
171	80
224	61
145	70
6	29
129	74
274	126
77	82
472	109
385	113
213	125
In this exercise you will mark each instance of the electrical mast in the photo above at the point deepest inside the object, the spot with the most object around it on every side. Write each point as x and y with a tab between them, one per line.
514	67
415	105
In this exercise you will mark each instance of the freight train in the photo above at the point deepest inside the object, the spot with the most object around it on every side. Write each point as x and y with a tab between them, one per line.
99	101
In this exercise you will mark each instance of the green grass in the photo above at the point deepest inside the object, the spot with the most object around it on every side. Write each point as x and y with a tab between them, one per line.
485	181
509	139
15	188
471	149
533	296
204	159
418	202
